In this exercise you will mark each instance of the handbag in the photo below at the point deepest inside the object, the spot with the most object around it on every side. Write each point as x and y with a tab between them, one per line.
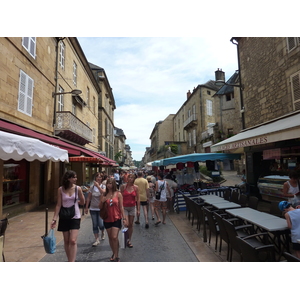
50	242
124	237
158	193
103	211
67	213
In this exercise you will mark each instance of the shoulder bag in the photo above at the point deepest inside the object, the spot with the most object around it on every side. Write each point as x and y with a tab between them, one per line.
67	213
103	211
158	193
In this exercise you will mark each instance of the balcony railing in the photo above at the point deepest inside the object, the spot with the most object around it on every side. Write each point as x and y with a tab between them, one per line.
71	128
190	121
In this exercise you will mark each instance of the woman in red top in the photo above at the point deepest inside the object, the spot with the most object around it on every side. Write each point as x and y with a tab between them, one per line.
115	213
131	199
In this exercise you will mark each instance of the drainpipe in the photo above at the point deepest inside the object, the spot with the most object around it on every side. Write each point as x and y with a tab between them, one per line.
235	42
56	81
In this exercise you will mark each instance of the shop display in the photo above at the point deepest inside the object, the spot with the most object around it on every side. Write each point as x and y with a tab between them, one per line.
271	186
12	184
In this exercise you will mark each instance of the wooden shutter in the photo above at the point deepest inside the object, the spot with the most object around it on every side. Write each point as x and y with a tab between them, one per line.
29	43
26	85
295	80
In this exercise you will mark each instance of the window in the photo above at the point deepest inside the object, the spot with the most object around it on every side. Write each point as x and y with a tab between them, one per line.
295	81
194	137
60	100
75	73
62	54
29	43
208	92
94	103
25	99
209	107
292	43
190	139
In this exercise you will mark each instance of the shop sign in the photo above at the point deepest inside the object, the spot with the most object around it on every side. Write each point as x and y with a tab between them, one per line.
245	143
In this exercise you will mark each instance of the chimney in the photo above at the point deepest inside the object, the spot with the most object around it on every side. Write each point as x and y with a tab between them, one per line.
188	94
220	77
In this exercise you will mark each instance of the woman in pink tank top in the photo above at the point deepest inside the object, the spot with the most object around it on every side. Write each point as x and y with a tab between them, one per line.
67	194
131	203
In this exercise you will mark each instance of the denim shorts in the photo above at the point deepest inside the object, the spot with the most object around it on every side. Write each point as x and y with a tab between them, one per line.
130	210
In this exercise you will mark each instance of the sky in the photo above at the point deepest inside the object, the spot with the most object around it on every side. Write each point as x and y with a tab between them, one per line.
153	52
150	76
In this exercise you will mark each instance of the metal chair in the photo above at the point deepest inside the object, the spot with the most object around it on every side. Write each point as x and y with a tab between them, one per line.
274	210
223	233
227	194
290	257
253	202
233	232
213	226
253	250
243	200
235	196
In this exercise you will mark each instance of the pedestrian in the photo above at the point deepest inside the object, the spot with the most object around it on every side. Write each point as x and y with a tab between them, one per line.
151	195
143	190
161	203
291	189
93	199
115	214
131	203
173	186
117	178
292	217
68	193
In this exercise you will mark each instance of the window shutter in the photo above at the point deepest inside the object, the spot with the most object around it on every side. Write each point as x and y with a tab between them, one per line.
26	85
29	43
22	92
296	90
29	96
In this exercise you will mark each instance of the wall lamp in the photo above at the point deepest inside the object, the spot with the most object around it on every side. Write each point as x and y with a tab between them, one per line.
74	92
220	80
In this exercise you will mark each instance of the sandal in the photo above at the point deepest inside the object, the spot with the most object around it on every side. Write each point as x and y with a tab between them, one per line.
117	259
112	258
157	223
129	245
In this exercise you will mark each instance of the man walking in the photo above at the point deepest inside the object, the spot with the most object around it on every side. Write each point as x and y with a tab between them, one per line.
143	185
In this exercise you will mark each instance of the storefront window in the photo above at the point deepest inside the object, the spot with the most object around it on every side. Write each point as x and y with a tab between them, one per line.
14	183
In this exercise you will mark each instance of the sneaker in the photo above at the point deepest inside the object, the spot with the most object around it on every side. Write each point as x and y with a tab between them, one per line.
97	242
102	236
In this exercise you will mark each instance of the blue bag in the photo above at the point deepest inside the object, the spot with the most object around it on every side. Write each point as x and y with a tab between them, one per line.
50	242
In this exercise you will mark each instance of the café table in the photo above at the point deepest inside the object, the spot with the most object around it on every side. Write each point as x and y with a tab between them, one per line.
265	222
226	205
210	199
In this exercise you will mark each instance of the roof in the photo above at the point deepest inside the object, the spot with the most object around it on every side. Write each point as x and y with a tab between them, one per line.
226	89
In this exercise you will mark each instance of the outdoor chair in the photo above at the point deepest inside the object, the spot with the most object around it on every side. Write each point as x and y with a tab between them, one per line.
243	200
187	207
235	196
194	211
223	233
274	210
213	226
253	250
234	231
227	194
253	202
290	257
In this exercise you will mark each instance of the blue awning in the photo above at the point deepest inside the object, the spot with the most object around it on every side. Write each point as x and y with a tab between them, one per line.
194	157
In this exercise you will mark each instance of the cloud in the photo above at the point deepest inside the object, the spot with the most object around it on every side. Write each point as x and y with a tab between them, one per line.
151	76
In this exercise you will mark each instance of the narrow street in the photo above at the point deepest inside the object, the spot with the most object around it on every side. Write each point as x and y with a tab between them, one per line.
162	243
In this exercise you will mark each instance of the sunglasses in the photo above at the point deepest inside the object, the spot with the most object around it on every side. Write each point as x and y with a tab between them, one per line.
110	202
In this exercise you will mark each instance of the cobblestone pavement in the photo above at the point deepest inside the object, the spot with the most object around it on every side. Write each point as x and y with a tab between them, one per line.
162	243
